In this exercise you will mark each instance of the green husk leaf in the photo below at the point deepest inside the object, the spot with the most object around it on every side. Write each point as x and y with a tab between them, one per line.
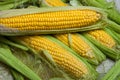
49	57
102	2
34	62
11	4
65	1
18	12
106	4
117	35
114	26
91	3
6	41
57	79
117	78
5	1
112	53
7	58
69	40
113	15
17	75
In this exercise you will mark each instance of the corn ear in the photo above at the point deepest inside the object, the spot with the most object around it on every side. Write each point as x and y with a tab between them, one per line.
67	26
110	52
114	26
60	44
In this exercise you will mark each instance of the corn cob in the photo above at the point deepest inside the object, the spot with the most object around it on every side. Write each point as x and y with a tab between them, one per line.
62	57
104	42
50	20
20	20
103	38
77	44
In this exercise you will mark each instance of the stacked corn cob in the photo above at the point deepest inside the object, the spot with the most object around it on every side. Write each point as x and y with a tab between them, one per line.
65	52
63	60
38	39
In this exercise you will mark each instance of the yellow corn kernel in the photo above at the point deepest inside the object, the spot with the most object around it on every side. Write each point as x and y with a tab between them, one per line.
103	38
77	44
52	20
62	57
55	3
